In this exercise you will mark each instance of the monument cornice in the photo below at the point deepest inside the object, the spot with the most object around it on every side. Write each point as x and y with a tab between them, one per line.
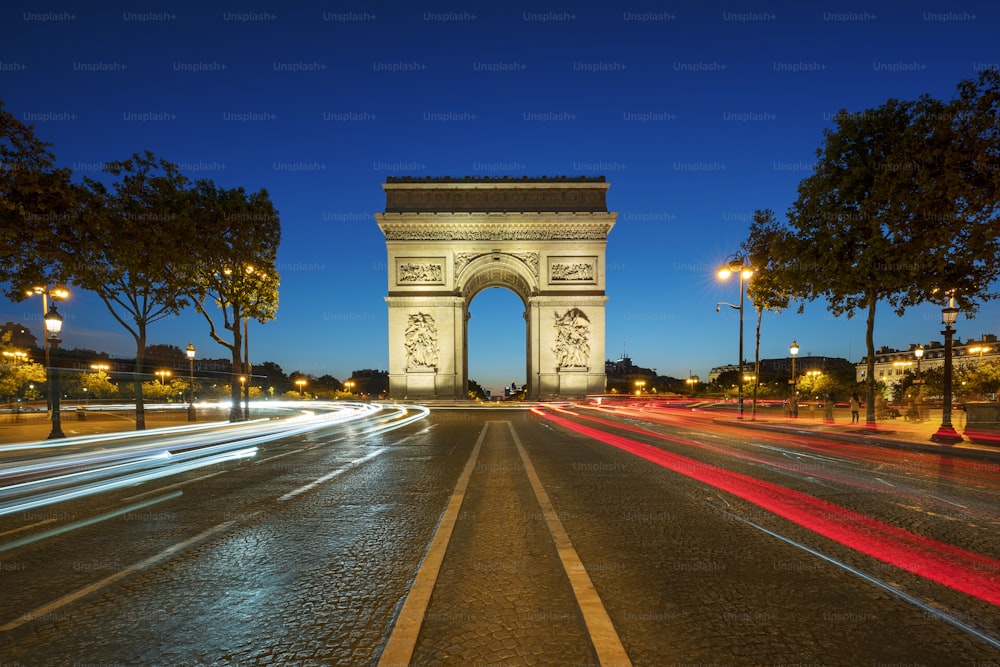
539	226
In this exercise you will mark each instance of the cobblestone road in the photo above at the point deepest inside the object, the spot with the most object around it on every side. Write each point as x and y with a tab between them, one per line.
258	563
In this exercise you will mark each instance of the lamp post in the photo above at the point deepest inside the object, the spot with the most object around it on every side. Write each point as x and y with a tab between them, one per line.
639	385
793	401
162	375
45	292
53	325
919	354
737	264
190	352
301	383
349	385
946	433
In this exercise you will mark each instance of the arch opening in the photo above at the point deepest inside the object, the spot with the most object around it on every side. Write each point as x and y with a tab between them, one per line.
496	346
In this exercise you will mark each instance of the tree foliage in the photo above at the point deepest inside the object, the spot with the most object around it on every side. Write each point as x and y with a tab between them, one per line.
126	244
35	201
17	370
901	209
234	278
143	238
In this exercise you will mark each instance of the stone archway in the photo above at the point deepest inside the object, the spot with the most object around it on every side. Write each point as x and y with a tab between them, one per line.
542	238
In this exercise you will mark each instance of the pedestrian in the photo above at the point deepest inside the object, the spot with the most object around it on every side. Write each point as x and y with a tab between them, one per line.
855	408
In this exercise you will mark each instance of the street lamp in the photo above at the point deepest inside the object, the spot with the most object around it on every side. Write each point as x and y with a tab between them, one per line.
737	264
793	402
53	325
162	375
45	292
190	352
946	433
301	383
919	354
980	348
349	385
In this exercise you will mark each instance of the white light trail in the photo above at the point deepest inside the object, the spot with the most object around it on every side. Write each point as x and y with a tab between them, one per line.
140	457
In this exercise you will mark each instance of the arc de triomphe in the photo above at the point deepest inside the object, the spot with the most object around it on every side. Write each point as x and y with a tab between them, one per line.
450	238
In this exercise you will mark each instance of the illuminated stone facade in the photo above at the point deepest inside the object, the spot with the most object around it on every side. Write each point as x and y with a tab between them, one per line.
542	238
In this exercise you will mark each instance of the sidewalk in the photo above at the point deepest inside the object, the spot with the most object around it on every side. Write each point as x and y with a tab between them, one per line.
899	432
36	426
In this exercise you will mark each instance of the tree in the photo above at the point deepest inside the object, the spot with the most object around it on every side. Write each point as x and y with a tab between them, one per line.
17	369
274	378
127	245
764	289
234	271
475	391
98	384
35	201
845	247
952	201
902	209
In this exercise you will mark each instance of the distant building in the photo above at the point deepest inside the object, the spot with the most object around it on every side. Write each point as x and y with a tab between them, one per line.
622	375
891	365
779	369
370	382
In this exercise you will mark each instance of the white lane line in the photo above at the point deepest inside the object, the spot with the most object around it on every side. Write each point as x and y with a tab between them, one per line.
28	527
333	473
42	611
607	643
403	639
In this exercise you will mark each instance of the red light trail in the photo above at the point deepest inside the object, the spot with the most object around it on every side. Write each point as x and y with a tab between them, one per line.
971	573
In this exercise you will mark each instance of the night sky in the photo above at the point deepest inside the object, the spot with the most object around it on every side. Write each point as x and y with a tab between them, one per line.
697	114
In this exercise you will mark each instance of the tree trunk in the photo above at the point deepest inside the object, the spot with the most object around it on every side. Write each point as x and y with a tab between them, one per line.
870	372
235	394
140	357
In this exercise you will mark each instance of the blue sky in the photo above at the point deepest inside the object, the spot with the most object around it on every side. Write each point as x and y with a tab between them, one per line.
697	114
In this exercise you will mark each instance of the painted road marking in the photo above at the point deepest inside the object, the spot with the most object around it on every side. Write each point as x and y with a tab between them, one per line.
402	641
603	635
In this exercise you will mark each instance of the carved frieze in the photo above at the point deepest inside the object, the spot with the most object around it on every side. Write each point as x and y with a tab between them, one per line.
573	270
416	271
506	232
